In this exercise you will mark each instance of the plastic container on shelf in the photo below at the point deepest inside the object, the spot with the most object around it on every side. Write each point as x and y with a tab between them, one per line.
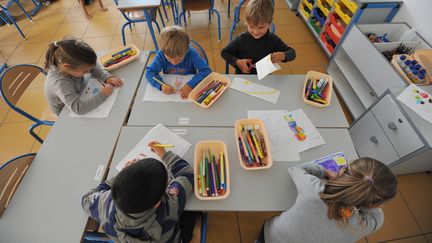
408	73
332	35
315	24
121	61
193	95
337	22
327	92
268	160
350	5
344	16
325	42
216	147
317	14
324	10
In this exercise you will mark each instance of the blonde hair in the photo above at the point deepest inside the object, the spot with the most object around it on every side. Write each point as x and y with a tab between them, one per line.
366	183
259	12
70	50
174	41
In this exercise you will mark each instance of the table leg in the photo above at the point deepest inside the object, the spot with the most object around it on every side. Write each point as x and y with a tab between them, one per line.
150	26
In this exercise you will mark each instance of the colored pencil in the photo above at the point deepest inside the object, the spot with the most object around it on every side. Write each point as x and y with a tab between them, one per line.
164	145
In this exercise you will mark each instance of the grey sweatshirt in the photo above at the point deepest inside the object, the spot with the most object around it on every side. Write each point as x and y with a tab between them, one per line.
63	90
307	220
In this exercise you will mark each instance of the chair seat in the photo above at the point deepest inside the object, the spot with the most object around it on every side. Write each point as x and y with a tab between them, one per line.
136	15
197	5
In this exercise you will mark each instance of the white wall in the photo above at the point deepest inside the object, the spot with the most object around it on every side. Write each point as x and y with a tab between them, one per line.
417	13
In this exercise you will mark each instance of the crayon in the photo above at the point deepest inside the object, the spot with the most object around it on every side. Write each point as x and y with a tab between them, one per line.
207	177
159	81
257	145
203	90
214	179
164	145
222	168
249	140
250	158
120	52
242	152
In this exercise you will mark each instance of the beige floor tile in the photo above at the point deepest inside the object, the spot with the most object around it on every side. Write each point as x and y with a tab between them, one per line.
286	16
292	34
33	102
202	37
285	69
42	133
4	109
5	53
219	63
101	28
364	240
75	15
28	53
225	33
99	43
281	4
137	40
61	4
76	29
42	33
210	58
429	238
137	28
419	200
112	13
49	16
222	227
309	54
304	70
414	239
10	35
148	44
14	140
398	222
250	224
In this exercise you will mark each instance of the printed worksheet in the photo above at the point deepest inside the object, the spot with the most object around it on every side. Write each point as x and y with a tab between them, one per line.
265	66
176	81
283	135
158	133
417	100
256	90
102	111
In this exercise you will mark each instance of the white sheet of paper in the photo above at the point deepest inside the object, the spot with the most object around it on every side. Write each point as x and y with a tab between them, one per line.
284	144
102	111
176	81
256	90
158	133
417	100
265	66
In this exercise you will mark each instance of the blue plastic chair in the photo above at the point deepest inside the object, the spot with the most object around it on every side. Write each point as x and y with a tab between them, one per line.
8	19
13	82
139	19
17	2
199	5
11	174
200	50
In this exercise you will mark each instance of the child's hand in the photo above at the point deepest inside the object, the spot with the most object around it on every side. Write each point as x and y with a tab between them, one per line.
107	90
331	174
130	162
277	57
245	65
114	81
168	89
184	92
160	151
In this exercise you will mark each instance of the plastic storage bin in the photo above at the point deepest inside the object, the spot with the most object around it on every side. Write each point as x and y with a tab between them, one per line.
344	16
216	147
268	160
422	61
328	90
109	55
194	94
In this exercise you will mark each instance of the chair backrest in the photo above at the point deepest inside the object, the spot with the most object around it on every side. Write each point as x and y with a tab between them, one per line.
197	5
200	50
11	174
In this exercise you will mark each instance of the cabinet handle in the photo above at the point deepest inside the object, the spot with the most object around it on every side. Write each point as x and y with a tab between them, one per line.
372	93
392	126
374	139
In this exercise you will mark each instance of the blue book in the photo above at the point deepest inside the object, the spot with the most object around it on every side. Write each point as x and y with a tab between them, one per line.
333	162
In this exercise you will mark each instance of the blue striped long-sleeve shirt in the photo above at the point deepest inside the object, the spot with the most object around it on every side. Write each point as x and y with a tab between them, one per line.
153	225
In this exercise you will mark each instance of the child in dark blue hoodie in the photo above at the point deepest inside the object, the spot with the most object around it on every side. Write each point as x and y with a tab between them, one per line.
176	56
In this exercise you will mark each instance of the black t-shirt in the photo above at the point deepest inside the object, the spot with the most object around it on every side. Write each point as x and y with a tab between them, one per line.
245	46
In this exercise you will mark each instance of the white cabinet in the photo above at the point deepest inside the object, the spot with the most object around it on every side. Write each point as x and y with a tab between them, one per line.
358	66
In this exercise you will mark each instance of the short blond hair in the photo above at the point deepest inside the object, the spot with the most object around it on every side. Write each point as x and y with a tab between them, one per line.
174	41
259	12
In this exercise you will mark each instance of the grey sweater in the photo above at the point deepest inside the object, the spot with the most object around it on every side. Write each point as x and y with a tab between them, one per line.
63	90
307	220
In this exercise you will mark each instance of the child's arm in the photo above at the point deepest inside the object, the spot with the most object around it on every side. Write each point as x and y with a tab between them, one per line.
66	92
305	181
280	46
153	70
100	73
201	66
229	53
92	201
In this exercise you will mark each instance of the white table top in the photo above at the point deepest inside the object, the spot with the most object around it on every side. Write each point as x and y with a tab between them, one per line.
137	4
47	204
263	190
233	105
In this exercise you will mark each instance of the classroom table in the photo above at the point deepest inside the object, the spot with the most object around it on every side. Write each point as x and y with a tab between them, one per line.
146	6
233	105
47	204
261	190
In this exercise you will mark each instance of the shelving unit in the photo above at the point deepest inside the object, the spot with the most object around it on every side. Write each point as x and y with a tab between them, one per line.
360	71
330	20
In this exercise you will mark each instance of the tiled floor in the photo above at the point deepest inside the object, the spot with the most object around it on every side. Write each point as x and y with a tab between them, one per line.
408	216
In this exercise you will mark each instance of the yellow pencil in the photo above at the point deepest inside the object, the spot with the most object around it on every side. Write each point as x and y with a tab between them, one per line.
160	82
164	145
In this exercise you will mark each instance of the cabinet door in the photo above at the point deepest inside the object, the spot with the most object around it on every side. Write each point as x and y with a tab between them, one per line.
370	140
394	124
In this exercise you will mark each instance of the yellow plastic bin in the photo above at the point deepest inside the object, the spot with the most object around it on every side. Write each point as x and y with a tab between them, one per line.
198	90
328	90
110	54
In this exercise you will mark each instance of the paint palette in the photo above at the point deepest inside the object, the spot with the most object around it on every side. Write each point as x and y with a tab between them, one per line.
422	97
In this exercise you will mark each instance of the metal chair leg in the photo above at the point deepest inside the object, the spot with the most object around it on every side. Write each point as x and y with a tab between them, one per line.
204	220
